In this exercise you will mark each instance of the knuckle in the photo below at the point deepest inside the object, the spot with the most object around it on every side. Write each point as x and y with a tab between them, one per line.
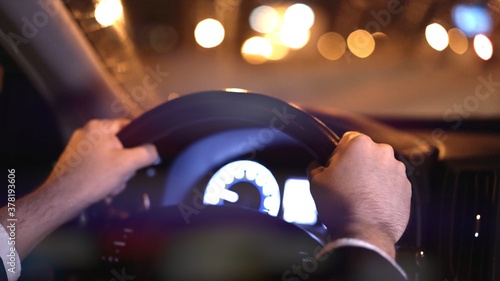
78	132
409	185
361	140
92	125
401	167
387	148
94	122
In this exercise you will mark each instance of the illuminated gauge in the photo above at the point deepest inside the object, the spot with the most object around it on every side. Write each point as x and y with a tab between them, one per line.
244	183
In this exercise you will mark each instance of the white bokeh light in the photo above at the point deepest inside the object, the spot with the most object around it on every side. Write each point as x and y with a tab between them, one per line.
294	38
264	19
257	50
107	12
209	33
436	36
298	17
483	47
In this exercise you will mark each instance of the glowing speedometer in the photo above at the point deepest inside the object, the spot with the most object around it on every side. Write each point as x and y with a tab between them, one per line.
244	183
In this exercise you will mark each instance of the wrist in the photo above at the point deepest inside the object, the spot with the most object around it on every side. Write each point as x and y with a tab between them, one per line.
370	233
68	199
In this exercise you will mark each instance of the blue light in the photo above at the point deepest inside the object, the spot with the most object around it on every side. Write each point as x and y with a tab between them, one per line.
472	19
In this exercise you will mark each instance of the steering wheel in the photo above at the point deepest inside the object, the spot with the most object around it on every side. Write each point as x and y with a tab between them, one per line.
221	111
217	243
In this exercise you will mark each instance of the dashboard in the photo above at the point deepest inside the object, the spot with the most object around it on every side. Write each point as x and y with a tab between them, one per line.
246	184
267	177
249	184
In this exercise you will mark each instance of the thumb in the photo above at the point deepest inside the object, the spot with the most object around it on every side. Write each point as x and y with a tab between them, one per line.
314	168
142	156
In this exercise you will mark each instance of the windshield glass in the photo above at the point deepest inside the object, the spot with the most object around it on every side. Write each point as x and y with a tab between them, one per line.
391	58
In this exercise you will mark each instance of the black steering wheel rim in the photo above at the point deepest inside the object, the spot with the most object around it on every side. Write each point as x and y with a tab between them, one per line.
228	110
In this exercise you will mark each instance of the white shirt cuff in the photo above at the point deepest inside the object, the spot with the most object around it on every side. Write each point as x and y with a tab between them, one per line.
8	253
353	242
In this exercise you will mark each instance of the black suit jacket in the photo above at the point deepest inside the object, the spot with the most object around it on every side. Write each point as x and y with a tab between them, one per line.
3	272
357	264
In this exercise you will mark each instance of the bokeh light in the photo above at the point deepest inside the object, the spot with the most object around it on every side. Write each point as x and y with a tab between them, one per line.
298	17
294	38
458	41
236	90
173	96
483	47
163	38
361	43
285	27
107	12
257	50
209	33
472	19
297	20
380	37
331	45
280	51
436	36
264	19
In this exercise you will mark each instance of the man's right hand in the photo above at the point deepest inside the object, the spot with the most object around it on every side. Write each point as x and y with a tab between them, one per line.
363	192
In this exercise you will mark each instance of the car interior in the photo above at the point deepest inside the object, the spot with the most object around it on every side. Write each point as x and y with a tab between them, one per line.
239	97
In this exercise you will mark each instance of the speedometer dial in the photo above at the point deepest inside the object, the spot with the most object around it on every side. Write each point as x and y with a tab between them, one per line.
244	183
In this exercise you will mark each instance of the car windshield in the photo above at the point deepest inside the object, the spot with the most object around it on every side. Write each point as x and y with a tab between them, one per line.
413	59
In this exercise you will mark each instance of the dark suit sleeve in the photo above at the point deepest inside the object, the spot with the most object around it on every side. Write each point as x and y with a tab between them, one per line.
352	263
3	272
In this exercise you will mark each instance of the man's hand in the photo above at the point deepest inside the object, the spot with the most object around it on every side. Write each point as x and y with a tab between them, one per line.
95	164
363	192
